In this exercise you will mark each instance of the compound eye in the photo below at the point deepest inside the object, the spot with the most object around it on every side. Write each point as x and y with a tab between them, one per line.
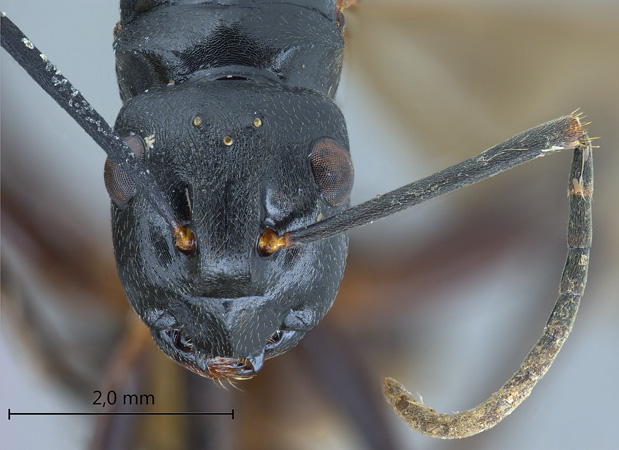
339	19
333	170
120	186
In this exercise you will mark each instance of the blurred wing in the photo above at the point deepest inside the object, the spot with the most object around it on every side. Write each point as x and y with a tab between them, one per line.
457	74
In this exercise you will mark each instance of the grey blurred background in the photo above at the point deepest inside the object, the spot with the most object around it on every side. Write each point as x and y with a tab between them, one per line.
452	294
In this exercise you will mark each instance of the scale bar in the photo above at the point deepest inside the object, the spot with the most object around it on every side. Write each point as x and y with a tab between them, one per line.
231	414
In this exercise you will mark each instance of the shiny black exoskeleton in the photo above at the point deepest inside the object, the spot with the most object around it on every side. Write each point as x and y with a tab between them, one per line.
231	186
229	106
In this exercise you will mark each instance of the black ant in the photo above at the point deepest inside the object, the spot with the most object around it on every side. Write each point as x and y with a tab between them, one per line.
230	174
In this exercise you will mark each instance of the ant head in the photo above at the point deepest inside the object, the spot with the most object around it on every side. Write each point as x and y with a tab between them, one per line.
232	158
